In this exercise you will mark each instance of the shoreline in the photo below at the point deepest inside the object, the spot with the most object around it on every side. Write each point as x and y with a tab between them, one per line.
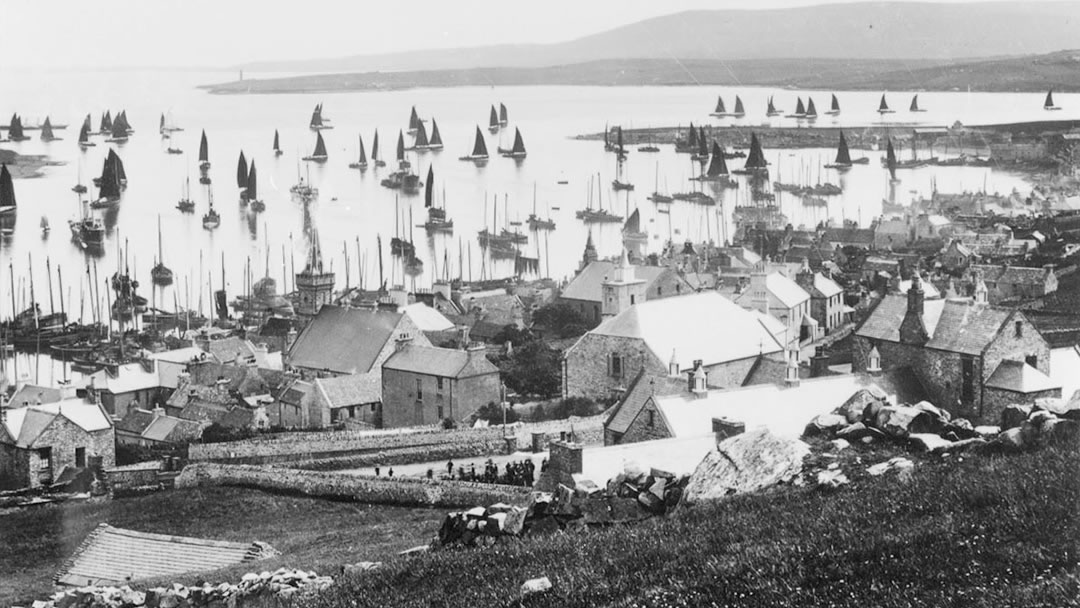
26	166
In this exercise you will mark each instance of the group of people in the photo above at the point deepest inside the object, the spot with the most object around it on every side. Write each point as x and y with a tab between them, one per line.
517	473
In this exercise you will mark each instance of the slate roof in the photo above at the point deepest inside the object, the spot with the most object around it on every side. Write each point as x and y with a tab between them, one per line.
587	285
639	391
960	326
704	326
169	429
824	287
357	389
1019	377
114	556
852	236
343	340
784	289
444	362
32	395
130	377
232	349
1018	275
24	425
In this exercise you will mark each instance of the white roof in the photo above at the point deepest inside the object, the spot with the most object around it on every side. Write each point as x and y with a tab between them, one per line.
427	318
179	355
826	286
938	220
929	291
704	326
784	289
129	377
88	416
772	325
785	411
1065	369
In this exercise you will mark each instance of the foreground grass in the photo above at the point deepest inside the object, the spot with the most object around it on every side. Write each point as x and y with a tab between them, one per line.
983	531
312	534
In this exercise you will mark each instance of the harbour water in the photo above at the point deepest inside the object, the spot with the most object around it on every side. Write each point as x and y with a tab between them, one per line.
353	209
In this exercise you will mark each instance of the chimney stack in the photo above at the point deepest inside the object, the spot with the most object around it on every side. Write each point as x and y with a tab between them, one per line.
791	373
819	363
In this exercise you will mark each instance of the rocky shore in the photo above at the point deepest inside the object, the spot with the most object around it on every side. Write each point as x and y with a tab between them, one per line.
24	166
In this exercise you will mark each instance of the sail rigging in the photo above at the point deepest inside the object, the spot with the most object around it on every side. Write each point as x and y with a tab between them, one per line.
241	171
914	104
480	146
375	147
633	223
47	130
835	107
84	134
811	111
890	160
320	147
7	190
429	187
503	121
204	150
717	165
883	106
800	109
277	141
756	158
252	183
771	110
519	145
436	138
739	111
1049	103
421	137
720	109
493	120
414	120
843	155
400	147
363	155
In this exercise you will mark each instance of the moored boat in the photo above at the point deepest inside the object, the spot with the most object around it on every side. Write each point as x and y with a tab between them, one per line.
375	156
84	135
834	108
319	154
160	274
8	205
503	120
277	144
915	104
47	131
883	107
318	121
771	109
361	162
493	121
251	191
755	160
437	220
518	151
204	152
479	154
1049	103
211	219
843	157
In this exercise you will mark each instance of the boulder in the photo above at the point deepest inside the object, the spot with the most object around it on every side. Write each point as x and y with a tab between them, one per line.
831	480
987	431
926	406
1066	433
1014	415
1010	440
967	444
854	432
359	567
535	586
929	442
840	444
898	464
899	421
825	425
871	411
515	521
748	462
852	409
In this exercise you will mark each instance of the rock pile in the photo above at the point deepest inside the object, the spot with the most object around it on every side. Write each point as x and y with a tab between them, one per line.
255	588
1030	427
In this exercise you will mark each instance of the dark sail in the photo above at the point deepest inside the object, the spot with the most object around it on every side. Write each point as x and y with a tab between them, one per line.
800	109
7	188
738	106
316	116
502	114
479	147
703	144
772	108
519	145
633	223
843	156
121	118
161	123
890	160
110	183
46	130
720	105
691	139
756	158
914	104
436	139
883	106
811	111
375	147
400	146
241	171
1049	103
252	183
414	120
363	155
118	165
119	131
84	134
106	122
86	122
429	187
421	136
320	146
619	141
717	166
203	149
835	104
493	121
277	142
15	128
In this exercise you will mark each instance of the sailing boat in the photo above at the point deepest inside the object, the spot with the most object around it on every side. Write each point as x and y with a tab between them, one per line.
436	221
375	151
811	111
160	274
242	176
598	215
319	154
843	157
204	155
421	141
720	110
105	126
84	136
890	162
7	192
185	204
277	144
503	121
739	111
493	121
755	160
414	121
717	171
413	265
702	154
535	221
318	122
79	188
632	232
834	109
168	123
656	197
479	153
1049	103
617	183
800	109
119	133
518	151
883	107
211	219
252	190
361	162
915	104
771	110
47	131
436	138
109	184
88	230
400	151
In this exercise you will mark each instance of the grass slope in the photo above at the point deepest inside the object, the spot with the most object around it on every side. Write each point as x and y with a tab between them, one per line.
978	532
312	534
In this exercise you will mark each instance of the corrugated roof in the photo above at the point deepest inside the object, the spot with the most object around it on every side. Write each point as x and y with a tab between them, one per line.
1020	377
357	389
427	318
114	556
445	362
960	326
587	285
704	326
343	340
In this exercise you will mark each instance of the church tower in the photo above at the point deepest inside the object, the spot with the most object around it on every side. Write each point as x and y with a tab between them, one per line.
590	255
314	286
623	290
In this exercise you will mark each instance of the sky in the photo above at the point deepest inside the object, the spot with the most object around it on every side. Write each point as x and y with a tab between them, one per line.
224	33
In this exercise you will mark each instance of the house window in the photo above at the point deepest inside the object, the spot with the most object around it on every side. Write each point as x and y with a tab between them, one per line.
1019	329
678	288
1032	360
616	365
372	407
45	456
439	383
652	418
80	457
631	299
659	290
419	389
440	410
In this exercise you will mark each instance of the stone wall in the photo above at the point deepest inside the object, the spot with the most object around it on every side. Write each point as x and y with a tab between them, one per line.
64	437
131	478
996	400
587	365
14	467
458	398
374	490
646	426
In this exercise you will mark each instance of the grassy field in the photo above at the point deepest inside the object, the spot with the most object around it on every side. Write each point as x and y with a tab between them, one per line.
312	534
976	531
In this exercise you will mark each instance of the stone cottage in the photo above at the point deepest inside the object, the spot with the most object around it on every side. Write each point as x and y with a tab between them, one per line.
585	292
424	385
39	441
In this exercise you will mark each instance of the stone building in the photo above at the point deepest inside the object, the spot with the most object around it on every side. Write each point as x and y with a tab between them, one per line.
314	285
957	257
154	428
953	347
586	292
38	442
776	295
826	299
664	336
424	385
121	388
1006	283
356	398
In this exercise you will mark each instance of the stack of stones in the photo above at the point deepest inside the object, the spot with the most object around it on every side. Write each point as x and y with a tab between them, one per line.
253	589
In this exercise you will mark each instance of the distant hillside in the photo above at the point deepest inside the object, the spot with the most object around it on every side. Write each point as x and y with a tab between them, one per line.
1061	71
880	30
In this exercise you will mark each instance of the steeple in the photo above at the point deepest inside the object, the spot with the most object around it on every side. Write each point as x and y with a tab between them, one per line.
590	255
314	286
